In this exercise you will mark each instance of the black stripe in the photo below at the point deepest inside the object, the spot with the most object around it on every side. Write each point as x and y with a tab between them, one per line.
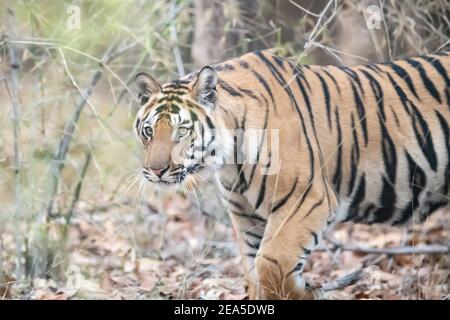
275	262
250	216
424	138
243	64
244	117
445	129
361	113
426	80
387	203
403	98
265	85
171	98
224	67
138	122
354	158
231	91
232	116
377	92
306	251
252	245
283	200
447	94
439	68
358	198
250	94
355	144
242	185
279	62
175	86
305	193
332	79
252	234
389	153
337	176
234	203
298	72
209	122
266	119
194	116
375	68
326	93
262	189
297	268
402	73
417	179
352	73
366	214
397	121
315	206
316	237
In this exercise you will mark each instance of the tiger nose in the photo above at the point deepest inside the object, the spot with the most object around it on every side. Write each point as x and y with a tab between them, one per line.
159	171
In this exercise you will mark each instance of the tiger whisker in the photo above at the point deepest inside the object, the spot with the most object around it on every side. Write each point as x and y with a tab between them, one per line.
132	181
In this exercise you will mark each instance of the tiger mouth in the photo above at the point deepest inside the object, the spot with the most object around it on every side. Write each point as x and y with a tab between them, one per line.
177	179
168	181
165	183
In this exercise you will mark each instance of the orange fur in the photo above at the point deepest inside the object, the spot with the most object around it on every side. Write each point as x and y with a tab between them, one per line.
357	143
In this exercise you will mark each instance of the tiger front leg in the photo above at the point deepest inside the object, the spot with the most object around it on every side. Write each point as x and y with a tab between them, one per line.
250	230
289	239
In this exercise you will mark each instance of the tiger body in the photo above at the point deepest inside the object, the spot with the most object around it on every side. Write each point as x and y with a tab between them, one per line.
365	144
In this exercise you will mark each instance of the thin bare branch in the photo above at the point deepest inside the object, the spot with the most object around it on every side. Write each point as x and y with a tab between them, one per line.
343	282
14	97
420	249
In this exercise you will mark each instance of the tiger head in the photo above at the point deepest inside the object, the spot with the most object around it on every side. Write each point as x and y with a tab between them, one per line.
176	126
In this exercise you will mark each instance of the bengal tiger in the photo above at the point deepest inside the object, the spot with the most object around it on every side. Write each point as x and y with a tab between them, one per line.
368	144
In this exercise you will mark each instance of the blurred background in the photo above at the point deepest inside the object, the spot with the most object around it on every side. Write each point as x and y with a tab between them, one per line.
76	223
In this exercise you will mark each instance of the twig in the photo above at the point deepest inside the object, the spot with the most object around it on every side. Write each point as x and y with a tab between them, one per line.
423	249
342	282
102	62
318	28
75	84
176	49
304	9
76	196
13	94
427	249
61	153
386	32
333	52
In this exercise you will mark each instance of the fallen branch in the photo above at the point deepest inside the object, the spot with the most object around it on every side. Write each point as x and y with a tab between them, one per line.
15	63
76	196
427	249
422	249
342	282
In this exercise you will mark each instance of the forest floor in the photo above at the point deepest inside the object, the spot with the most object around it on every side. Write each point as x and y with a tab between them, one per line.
116	253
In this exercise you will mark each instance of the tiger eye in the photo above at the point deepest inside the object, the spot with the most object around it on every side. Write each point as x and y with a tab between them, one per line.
181	133
148	132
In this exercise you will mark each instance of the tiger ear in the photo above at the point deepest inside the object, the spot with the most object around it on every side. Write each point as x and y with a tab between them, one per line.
204	90
147	86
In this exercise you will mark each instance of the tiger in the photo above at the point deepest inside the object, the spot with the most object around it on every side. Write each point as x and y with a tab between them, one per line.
366	143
